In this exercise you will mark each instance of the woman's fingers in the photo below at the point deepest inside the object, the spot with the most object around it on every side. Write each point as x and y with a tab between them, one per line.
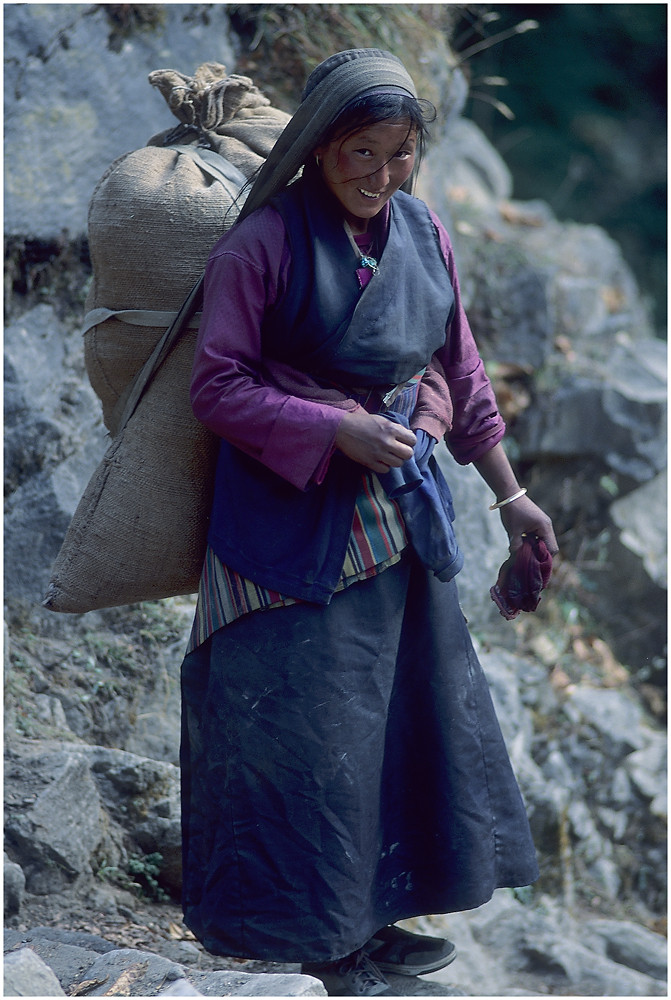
374	441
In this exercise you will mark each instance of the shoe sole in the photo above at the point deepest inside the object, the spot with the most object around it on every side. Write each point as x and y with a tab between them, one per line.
418	970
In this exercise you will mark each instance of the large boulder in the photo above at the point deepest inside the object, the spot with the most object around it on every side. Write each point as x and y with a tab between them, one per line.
53	440
77	97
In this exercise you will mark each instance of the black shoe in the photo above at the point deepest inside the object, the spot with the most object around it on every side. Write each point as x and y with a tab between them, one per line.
395	950
353	976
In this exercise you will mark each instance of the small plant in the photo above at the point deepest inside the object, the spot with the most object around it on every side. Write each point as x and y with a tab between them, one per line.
140	876
145	869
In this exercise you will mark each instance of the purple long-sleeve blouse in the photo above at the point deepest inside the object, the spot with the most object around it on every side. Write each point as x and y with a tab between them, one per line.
243	398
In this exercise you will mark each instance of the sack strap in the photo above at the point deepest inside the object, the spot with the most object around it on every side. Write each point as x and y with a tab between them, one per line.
130	397
135	317
216	166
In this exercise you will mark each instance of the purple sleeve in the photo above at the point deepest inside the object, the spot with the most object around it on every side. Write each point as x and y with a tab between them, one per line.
477	424
244	275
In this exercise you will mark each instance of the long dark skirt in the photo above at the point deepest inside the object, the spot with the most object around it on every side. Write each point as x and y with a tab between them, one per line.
342	769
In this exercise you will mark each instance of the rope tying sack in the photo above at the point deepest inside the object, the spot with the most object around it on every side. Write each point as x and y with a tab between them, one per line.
229	113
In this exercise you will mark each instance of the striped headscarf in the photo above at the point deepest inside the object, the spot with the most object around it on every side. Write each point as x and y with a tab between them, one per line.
335	83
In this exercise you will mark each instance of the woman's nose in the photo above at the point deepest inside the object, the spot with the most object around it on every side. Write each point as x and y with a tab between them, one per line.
381	175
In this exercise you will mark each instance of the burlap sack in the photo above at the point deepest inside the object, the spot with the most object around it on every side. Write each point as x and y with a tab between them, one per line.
139	531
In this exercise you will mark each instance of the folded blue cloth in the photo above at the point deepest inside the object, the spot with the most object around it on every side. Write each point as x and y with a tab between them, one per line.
424	498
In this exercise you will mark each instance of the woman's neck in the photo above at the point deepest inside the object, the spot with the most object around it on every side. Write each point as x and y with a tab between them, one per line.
359	227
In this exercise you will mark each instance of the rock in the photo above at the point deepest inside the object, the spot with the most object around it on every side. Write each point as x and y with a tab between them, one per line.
180	988
14	887
543	941
68	962
101	969
613	716
50	711
54	439
647	769
153	821
82	940
128	972
90	798
627	418
641	519
247	984
26	975
63	127
632	945
570	965
57	833
463	163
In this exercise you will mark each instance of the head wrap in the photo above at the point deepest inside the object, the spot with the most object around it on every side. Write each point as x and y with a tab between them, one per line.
335	83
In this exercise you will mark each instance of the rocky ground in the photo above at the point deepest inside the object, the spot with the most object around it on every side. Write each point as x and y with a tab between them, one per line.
85	820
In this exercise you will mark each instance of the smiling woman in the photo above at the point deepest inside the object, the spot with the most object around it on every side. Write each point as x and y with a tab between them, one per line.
342	764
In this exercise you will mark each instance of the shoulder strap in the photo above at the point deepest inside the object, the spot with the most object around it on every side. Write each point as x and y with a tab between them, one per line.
131	396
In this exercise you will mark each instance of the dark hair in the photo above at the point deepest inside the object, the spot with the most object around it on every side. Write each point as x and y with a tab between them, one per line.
371	109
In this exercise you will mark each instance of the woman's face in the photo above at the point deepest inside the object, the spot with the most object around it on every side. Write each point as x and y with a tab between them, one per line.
365	169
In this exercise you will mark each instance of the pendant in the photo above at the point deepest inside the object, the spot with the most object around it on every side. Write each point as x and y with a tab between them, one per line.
369	262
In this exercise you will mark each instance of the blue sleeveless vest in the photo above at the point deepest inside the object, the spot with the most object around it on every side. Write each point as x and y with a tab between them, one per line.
326	325
264	528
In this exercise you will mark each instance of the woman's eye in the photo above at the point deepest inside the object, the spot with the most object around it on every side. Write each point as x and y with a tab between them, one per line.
363	152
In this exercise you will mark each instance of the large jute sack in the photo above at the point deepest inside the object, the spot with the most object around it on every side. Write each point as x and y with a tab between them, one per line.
139	531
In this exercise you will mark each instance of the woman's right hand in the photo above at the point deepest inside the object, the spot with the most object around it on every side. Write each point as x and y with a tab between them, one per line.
374	441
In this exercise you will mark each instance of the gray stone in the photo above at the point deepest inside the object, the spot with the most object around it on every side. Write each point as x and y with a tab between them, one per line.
463	163
606	877
153	787
218	984
59	935
611	713
50	711
632	945
129	972
568	963
63	127
58	833
507	296
14	887
627	431
544	942
53	445
26	975
577	256
68	962
180	988
641	519
647	769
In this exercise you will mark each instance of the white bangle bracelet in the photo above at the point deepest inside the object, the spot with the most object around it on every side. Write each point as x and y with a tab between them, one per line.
502	503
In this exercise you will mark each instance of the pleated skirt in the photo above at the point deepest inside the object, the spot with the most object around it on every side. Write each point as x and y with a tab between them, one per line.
343	768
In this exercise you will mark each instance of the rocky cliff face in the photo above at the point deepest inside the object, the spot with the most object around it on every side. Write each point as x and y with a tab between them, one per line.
92	702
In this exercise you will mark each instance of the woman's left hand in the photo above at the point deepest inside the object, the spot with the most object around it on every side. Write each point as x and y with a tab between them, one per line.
524	517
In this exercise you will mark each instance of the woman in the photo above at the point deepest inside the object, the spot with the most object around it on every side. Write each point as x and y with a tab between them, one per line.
342	765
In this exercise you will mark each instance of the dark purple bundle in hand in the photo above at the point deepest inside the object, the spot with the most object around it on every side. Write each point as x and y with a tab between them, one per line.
522	577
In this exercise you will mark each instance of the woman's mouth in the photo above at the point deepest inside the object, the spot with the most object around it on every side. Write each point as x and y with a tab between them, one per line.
373	195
